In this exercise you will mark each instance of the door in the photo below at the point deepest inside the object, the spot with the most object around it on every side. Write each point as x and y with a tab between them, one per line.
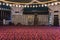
56	20
35	19
4	15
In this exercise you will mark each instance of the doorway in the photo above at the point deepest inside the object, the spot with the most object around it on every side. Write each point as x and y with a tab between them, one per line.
35	19
4	15
56	20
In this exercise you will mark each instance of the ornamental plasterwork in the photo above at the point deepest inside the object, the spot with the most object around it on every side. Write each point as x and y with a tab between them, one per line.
28	1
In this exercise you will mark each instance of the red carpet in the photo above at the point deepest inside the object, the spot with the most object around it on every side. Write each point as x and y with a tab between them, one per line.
29	33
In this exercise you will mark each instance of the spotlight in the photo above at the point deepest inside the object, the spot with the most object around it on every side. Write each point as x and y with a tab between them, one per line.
42	5
33	6
28	6
10	5
13	4
25	6
7	4
36	6
19	5
56	3
16	5
52	4
0	3
45	5
3	3
39	5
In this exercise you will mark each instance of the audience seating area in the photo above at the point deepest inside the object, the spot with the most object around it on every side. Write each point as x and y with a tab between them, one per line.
29	33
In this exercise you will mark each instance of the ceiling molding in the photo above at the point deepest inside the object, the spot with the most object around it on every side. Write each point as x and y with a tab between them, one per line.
32	2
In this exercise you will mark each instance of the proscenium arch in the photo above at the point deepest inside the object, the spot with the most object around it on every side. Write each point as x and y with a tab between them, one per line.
32	2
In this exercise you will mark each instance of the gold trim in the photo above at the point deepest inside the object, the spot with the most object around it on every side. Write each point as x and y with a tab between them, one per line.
32	2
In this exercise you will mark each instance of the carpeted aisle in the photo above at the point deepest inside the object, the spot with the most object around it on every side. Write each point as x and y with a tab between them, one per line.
29	33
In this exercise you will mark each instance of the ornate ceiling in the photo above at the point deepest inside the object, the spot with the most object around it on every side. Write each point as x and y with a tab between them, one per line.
29	1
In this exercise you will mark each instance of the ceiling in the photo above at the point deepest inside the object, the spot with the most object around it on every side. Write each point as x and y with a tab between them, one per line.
29	1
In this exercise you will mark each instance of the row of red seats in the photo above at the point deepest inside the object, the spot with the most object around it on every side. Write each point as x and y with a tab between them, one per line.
29	36
29	33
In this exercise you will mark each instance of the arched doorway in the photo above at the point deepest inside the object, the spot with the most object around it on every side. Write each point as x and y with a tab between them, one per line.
35	19
56	20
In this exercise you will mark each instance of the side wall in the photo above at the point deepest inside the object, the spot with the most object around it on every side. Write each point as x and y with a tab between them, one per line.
52	9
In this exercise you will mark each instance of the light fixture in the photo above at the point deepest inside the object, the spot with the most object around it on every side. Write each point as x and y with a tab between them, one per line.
56	3
0	3
33	6
28	6
13	5
52	4
42	5
16	5
36	6
45	5
3	3
39	5
10	5
7	4
25	6
19	5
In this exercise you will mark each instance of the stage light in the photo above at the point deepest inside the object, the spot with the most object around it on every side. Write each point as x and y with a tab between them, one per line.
42	5
19	5
39	5
13	4
16	5
45	5
52	4
7	4
56	3
25	6
33	6
28	6
36	6
3	3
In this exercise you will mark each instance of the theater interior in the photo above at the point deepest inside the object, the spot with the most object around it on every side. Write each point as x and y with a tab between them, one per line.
29	19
